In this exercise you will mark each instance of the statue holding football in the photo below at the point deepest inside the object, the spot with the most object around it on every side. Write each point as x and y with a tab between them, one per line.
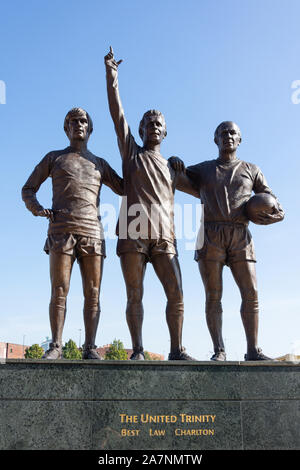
225	187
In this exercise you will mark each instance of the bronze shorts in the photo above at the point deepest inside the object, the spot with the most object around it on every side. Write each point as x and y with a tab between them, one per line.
227	243
149	248
74	245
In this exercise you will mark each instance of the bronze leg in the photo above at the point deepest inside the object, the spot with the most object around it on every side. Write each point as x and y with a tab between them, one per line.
60	274
91	268
211	273
244	273
168	271
133	268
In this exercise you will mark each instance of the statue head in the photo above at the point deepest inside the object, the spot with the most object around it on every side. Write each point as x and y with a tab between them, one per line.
153	127
227	136
78	124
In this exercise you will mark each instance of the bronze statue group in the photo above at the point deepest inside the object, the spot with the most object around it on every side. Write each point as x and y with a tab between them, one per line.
224	186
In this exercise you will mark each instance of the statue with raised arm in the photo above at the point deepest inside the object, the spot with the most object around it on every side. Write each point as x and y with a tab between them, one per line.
149	185
75	230
225	186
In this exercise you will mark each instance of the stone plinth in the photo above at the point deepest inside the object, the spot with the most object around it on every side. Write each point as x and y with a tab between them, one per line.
150	405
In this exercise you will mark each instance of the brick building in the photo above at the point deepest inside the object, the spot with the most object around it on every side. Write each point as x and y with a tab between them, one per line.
12	351
289	358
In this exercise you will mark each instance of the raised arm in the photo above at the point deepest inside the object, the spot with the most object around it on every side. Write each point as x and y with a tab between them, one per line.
32	185
114	102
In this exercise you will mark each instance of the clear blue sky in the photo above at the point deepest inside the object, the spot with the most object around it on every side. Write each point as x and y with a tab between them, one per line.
199	62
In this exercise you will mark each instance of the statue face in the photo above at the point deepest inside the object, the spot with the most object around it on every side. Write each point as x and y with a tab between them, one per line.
229	137
154	129
78	127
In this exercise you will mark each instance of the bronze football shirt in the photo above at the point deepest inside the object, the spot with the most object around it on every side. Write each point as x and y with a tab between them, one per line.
225	188
76	185
149	181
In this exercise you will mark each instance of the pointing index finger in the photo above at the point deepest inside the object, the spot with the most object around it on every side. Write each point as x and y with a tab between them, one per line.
111	50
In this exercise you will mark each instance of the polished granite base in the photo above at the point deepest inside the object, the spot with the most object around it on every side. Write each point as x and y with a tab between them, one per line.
149	405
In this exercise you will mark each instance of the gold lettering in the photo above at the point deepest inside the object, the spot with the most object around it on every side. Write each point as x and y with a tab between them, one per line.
157	432
194	432
128	418
197	418
130	432
144	418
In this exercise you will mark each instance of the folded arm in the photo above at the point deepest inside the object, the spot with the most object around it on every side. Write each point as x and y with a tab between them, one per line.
31	187
183	181
261	186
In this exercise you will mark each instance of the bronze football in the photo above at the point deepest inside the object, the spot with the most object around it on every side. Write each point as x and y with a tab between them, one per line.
259	203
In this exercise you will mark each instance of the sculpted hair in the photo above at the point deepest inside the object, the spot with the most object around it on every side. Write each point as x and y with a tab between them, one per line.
75	112
222	124
151	112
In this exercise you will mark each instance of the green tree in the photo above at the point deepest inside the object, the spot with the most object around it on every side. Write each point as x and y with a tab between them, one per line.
116	352
71	351
147	356
34	352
